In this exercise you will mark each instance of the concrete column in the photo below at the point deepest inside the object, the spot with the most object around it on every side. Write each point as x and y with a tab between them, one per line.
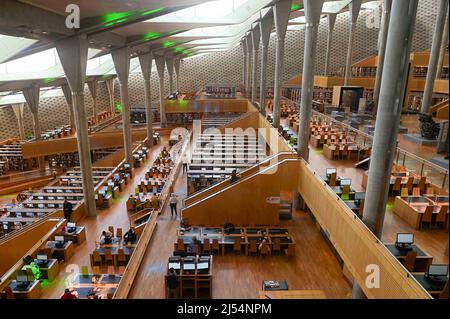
354	8
382	37
93	86
434	56
176	65
443	50
331	22
110	87
31	95
244	69
249	65
357	292
68	95
313	9
169	64
146	67
265	29
395	68
121	59
281	12
159	61
255	43
18	112
73	55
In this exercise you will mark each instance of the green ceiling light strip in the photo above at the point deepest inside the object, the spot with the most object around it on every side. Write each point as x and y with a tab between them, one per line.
119	108
49	80
179	49
295	7
151	35
112	18
147	12
167	44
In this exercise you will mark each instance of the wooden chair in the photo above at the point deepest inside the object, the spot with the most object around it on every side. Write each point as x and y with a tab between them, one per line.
84	270
290	251
345	152
427	215
416	191
397	185
121	258
237	246
119	233
410	261
96	258
253	249
441	217
96	271
7	293
404	192
265	250
276	247
121	270
422	184
336	152
332	179
429	190
180	244
109	257
206	246
111	271
215	246
111	229
409	184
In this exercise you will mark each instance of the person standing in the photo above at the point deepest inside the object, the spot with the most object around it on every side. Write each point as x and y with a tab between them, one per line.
67	209
172	284
185	163
173	204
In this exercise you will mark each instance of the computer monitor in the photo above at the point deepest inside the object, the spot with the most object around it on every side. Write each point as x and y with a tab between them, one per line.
437	270
71	225
59	238
346	182
21	278
360	195
405	239
330	171
126	166
190	266
41	257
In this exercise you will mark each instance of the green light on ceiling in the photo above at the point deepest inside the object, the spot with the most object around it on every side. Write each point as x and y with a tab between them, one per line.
112	18
48	80
179	49
295	7
168	44
151	35
151	11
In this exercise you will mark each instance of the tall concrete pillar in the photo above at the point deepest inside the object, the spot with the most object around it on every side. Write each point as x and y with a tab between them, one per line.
121	59
146	67
313	9
265	29
93	86
176	66
281	12
331	22
169	64
248	88
73	56
68	95
110	88
382	37
31	95
354	8
18	112
443	49
255	43
434	56
395	68
244	68
159	61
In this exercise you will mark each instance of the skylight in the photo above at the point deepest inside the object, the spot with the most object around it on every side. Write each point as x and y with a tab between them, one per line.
10	46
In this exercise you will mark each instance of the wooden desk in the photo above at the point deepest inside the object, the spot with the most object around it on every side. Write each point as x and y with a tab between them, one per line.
292	294
64	253
33	291
328	151
411	209
51	270
423	260
78	236
434	288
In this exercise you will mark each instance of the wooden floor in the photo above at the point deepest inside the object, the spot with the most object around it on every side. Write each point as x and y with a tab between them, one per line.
115	216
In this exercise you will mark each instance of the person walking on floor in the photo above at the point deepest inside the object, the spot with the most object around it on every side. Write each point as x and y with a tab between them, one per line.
67	209
173	204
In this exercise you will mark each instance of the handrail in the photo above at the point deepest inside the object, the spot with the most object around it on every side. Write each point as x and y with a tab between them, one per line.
19	264
195	196
400	150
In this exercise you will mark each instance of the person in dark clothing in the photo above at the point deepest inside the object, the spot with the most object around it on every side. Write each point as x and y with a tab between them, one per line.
172	284
67	209
130	237
234	176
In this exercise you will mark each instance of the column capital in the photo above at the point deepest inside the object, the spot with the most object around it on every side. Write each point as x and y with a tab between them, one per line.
121	59
281	12
145	61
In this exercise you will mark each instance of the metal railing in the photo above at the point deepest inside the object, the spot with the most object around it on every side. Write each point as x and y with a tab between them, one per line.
436	174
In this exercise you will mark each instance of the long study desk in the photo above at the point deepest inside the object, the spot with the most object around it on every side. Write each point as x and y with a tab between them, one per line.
423	260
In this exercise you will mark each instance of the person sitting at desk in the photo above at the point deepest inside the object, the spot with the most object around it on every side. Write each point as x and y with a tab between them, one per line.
234	176
130	237
194	245
263	242
69	293
106	237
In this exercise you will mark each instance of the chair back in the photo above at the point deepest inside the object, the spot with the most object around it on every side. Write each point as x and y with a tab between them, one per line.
442	214
84	270
264	249
410	260
276	245
206	245
121	255
237	244
416	191
96	256
290	251
428	213
8	293
119	232
108	255
252	246
180	244
215	244
333	179
397	184
96	271
111	229
429	190
409	183
404	192
422	183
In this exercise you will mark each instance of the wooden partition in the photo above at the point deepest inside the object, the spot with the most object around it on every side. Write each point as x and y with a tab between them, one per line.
15	246
356	244
111	160
249	201
206	106
245	173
